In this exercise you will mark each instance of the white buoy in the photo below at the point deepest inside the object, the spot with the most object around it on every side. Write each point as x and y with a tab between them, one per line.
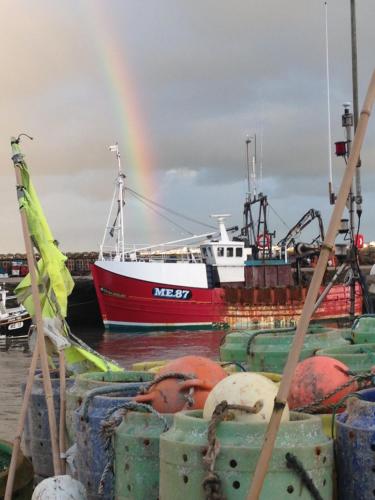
245	389
60	488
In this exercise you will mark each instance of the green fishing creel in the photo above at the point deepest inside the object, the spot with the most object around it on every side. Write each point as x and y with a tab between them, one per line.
363	330
237	343
358	357
136	445
269	352
182	448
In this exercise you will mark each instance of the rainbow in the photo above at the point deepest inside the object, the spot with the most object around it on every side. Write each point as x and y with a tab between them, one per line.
137	157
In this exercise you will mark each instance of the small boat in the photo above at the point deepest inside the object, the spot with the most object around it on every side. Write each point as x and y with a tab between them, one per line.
220	282
15	321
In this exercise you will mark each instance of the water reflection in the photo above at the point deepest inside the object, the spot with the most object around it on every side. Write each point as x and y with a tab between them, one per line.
128	348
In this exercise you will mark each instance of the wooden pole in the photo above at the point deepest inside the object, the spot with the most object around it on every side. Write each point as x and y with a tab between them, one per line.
20	425
303	323
40	337
62	410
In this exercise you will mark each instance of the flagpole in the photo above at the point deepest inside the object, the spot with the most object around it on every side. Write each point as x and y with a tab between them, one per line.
17	160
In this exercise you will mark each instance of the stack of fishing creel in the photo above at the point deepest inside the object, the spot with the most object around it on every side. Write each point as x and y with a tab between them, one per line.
234	345
363	329
269	352
91	380
180	384
110	392
213	454
360	357
37	440
355	447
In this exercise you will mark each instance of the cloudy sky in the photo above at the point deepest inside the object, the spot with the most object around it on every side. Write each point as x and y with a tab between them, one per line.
179	85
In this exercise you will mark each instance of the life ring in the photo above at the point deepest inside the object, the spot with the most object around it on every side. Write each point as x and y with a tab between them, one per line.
264	241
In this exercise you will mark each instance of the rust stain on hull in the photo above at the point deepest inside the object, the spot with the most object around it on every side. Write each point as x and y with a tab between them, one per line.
278	306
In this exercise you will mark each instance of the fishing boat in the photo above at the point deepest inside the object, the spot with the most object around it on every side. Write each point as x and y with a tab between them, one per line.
15	321
210	280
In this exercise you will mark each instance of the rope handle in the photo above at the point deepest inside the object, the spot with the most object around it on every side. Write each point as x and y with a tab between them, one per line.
180	376
293	463
317	407
212	482
108	429
134	387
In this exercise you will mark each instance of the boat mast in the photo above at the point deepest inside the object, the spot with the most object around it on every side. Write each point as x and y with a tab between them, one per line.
119	229
120	244
255	232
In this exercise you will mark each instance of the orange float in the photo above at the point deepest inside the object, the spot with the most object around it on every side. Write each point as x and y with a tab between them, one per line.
183	384
316	378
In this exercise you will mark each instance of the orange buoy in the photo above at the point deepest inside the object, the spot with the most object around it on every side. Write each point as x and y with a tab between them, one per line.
317	377
183	384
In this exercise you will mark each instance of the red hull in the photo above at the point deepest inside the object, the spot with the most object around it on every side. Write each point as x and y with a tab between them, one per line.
129	304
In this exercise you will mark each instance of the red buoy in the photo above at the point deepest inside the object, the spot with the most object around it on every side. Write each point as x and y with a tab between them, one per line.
316	378
187	383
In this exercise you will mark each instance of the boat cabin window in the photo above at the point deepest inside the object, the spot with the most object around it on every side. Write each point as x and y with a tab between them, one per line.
209	251
204	251
238	252
230	252
11	303
220	251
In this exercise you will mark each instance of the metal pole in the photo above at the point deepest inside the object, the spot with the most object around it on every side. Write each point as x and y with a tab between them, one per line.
347	123
354	62
353	22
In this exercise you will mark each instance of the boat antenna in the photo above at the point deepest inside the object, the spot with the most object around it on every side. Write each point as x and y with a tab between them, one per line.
248	141
332	196
261	159
251	168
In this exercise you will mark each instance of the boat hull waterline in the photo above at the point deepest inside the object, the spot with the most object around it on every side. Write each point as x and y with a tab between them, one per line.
128	303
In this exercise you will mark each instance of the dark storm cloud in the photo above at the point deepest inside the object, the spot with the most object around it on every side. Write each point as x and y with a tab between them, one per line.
207	73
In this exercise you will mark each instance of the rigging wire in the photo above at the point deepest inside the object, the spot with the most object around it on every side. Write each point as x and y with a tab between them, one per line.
148	205
178	214
277	215
261	157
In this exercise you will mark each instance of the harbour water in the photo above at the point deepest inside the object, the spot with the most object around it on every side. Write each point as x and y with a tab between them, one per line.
126	349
